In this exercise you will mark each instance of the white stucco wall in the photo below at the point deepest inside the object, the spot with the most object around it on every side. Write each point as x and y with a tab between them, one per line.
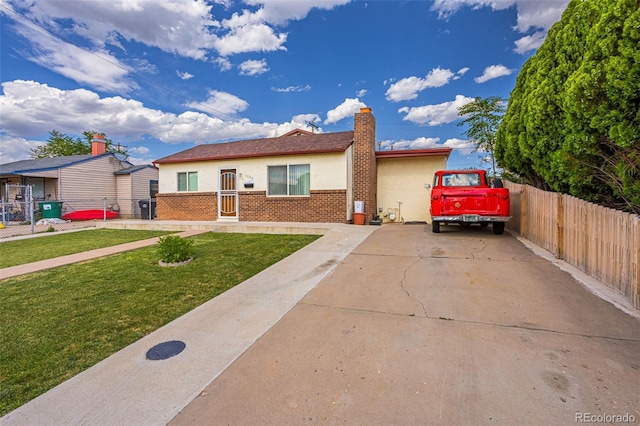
328	171
402	180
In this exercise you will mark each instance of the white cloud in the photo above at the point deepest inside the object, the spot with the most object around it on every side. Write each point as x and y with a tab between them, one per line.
530	42
96	68
31	109
253	67
185	28
220	104
278	12
291	89
250	38
408	88
184	75
361	93
460	73
223	63
175	26
447	8
344	110
464	146
435	115
418	143
539	15
531	15
15	148
493	71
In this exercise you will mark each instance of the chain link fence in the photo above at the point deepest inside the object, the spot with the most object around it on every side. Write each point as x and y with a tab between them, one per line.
21	214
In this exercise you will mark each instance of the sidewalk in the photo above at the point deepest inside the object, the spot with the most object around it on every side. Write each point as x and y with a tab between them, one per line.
127	389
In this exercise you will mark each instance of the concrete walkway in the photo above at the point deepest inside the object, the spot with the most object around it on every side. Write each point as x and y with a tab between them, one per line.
377	326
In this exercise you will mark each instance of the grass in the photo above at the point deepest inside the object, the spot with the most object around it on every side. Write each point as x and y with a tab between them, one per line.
59	322
19	252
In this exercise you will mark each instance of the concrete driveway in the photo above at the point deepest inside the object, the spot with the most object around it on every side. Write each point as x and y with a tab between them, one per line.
462	327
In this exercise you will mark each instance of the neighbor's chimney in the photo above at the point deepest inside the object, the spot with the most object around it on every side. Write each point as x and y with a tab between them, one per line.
364	161
98	144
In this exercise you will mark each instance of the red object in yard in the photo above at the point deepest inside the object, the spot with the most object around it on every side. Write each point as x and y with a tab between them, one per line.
89	215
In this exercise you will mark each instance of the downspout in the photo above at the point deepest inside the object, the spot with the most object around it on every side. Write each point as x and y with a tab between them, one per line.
59	189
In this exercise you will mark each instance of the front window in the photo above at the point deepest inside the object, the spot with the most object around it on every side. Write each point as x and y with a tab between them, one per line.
188	181
37	190
293	179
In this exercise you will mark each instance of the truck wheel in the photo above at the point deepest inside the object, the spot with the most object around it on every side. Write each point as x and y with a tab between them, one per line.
435	227
498	228
497	183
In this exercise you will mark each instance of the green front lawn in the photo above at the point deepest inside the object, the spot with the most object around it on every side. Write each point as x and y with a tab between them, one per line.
59	322
28	250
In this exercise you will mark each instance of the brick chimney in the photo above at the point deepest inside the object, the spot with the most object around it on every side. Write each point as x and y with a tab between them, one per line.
365	179
98	144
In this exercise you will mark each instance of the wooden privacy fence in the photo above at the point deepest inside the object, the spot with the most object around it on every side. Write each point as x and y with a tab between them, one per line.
601	242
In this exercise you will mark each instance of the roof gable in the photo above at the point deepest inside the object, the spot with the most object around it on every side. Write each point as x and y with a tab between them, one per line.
295	142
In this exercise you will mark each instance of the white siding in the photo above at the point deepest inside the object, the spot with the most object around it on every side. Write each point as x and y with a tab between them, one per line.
328	171
402	180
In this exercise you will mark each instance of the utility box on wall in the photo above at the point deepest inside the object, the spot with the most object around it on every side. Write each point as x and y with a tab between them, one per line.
358	206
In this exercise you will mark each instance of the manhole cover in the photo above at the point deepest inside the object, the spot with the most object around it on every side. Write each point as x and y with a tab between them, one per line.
165	350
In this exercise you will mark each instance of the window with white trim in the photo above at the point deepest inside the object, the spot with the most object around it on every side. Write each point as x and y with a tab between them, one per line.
187	181
289	180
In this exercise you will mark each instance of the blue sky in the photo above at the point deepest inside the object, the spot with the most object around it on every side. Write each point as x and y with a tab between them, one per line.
159	76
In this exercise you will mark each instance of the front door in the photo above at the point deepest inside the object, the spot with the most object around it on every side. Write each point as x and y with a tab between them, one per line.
228	195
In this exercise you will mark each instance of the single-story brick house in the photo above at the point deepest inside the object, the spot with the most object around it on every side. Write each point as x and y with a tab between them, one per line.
298	177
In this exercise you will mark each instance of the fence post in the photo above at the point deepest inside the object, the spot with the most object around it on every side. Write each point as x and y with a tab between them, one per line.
523	211
104	209
29	210
560	227
636	297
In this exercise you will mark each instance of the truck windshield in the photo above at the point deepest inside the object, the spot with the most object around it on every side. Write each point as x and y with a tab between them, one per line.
461	179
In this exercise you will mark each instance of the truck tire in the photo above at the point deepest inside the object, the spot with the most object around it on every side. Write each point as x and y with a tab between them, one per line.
498	228
435	227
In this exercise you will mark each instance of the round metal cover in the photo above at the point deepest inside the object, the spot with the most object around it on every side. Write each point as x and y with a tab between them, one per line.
165	350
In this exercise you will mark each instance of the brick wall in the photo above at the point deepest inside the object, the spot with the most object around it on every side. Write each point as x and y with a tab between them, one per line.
320	206
364	162
187	206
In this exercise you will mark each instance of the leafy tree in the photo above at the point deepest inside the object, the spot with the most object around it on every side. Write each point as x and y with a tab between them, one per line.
62	145
483	118
572	124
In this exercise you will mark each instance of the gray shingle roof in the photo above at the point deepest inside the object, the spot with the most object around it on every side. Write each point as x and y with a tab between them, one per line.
44	164
40	164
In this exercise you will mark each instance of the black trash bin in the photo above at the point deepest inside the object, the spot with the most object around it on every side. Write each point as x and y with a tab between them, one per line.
144	209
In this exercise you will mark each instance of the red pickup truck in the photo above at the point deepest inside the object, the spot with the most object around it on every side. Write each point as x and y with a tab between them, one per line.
465	197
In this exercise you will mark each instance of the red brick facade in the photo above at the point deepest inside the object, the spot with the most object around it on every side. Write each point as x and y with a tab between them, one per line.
187	206
319	206
255	206
365	179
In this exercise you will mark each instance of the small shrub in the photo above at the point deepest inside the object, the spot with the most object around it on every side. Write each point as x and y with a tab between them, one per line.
174	249
51	229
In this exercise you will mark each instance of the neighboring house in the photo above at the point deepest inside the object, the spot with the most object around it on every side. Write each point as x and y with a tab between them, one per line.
82	181
298	177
